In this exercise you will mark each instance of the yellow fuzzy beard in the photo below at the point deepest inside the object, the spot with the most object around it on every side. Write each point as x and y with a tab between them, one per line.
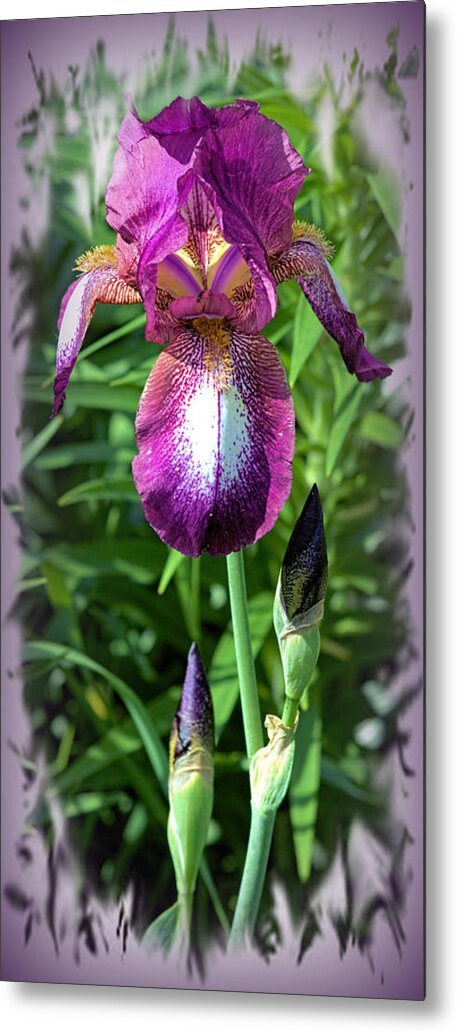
306	231
96	258
216	359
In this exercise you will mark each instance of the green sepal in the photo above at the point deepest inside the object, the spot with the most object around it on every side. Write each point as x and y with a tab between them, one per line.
191	805
299	644
271	766
162	933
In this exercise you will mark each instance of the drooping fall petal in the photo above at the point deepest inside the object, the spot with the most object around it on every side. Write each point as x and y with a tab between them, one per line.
76	311
215	434
305	262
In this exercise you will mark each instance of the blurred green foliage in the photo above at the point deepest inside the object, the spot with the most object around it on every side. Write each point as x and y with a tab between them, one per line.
107	611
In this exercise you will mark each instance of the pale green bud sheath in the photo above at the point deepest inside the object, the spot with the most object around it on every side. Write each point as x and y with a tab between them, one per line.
190	785
271	766
299	603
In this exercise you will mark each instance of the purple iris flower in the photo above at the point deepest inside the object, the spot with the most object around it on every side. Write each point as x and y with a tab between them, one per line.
202	202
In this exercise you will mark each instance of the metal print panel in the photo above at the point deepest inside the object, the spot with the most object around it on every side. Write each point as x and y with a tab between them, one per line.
212	739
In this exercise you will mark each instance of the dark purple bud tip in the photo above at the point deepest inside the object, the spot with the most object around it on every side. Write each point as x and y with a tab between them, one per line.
305	567
193	723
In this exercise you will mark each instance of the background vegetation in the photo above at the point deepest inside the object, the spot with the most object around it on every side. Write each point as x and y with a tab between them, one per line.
108	612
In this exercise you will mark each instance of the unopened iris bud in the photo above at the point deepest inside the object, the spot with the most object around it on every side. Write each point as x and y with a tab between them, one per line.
190	783
271	766
299	602
304	572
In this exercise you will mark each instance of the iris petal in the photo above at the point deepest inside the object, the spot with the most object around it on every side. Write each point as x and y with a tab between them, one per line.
252	175
208	303
175	276
304	261
76	311
204	234
229	272
194	172
179	127
215	434
142	194
142	206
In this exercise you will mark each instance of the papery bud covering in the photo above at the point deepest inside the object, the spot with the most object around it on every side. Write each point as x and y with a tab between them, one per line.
271	766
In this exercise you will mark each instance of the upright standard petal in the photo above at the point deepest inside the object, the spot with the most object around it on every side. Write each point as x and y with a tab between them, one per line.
76	311
305	262
215	433
180	126
142	194
142	206
252	175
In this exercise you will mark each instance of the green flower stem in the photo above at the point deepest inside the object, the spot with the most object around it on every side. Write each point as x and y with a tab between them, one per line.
305	783
184	924
255	869
244	659
290	712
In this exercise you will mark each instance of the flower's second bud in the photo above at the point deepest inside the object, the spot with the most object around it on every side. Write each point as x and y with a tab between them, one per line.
299	602
191	774
271	766
304	572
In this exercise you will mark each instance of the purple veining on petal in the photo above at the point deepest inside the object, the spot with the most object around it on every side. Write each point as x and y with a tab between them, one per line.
215	433
76	311
305	262
208	303
204	233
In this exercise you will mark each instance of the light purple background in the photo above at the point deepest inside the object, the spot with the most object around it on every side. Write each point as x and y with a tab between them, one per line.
311	35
